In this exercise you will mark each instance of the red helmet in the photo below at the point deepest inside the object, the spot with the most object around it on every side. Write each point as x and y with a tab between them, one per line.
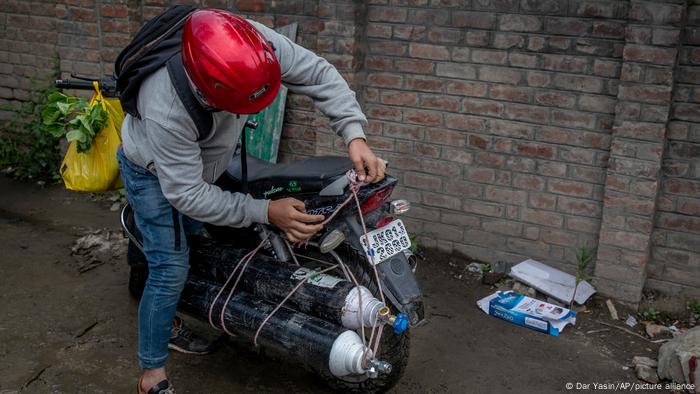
230	62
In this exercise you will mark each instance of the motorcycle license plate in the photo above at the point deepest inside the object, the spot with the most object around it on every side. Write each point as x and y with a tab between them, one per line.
386	241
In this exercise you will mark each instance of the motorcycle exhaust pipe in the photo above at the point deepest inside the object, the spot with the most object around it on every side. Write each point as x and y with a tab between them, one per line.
318	344
324	296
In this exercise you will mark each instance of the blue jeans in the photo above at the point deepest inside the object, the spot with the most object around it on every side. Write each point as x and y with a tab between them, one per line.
164	232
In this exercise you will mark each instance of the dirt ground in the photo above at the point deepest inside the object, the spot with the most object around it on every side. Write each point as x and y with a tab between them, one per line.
66	332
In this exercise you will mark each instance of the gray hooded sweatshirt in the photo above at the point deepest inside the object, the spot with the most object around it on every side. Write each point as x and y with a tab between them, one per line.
164	140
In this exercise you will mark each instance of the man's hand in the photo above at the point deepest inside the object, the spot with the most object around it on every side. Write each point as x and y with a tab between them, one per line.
290	216
362	157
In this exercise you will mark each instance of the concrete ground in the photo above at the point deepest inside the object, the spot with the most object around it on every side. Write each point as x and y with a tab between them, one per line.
66	332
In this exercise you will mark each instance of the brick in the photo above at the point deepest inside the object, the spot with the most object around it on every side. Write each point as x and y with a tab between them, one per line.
685	187
522	60
427	118
606	68
394	97
645	93
527	113
456	70
578	83
558	237
427	150
572	64
478	38
629	204
544	218
445	137
401	131
464	189
508	41
414	66
508	128
570	188
384	80
489	159
656	13
483	208
386	14
480	175
543	7
443	35
499	74
650	54
640	130
510	93
425	84
586	225
555	98
457	155
432	16
515	22
568	26
385	113
474	20
387	47
538	79
464	122
458	219
443	231
489	56
542	201
467	88
441	167
408	32
573	119
506	227
608	29
422	181
505	195
528	182
579	207
441	200
482	107
379	30
428	51
535	150
679	222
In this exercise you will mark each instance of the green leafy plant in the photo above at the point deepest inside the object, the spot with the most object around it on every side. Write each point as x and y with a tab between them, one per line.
584	258
27	150
73	117
414	243
650	314
694	306
485	267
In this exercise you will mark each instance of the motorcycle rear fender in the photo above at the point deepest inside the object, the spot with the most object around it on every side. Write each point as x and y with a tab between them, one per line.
398	281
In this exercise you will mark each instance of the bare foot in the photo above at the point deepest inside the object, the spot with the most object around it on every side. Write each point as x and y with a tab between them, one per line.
151	377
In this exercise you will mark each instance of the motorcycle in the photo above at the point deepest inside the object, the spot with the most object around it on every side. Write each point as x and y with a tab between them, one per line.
322	303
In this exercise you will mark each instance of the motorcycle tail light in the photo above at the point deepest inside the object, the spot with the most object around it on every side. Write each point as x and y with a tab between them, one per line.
376	200
384	221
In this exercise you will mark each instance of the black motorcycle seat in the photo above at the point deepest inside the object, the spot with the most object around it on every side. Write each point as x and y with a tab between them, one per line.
314	168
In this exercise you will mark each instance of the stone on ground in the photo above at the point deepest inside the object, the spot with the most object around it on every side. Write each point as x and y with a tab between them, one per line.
679	359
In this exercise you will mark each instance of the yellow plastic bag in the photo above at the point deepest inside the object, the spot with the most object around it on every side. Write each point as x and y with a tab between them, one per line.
97	169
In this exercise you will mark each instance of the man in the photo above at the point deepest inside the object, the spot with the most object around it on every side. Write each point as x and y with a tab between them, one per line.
234	68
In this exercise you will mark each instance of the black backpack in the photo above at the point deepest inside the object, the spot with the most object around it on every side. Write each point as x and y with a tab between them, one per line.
157	44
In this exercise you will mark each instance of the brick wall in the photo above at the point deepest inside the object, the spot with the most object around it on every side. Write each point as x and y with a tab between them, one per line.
518	128
675	264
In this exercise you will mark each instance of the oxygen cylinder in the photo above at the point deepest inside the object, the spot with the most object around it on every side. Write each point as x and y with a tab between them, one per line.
315	343
324	296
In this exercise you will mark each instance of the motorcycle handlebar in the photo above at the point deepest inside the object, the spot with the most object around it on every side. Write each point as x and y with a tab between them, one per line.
108	86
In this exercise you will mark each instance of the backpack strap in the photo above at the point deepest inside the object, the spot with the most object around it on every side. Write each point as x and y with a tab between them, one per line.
202	118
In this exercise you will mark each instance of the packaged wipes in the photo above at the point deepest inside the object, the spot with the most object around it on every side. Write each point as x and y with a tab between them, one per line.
527	312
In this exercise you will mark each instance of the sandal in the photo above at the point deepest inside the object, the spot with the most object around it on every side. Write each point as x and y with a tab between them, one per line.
164	387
